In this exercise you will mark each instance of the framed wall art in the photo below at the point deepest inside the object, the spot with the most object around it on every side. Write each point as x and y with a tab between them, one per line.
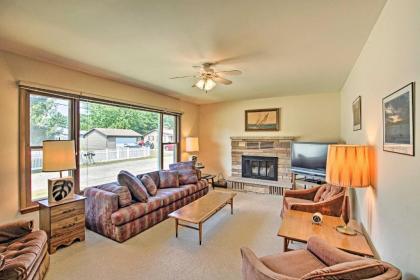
262	120
398	121
357	113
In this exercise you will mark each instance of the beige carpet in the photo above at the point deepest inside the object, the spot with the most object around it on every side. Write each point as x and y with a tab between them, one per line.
157	254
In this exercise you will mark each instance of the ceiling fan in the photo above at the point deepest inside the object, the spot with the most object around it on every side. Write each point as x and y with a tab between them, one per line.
208	78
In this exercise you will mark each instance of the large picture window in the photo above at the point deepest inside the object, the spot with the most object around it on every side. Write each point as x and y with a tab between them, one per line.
109	137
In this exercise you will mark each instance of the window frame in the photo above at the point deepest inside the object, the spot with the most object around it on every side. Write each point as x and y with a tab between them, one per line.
25	189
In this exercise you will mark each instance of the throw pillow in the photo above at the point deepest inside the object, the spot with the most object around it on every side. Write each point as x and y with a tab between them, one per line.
135	186
150	185
187	177
124	195
168	179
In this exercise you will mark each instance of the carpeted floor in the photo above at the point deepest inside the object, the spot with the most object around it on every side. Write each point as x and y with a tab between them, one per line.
157	254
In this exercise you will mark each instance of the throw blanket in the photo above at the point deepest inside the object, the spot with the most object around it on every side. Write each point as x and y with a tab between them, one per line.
15	230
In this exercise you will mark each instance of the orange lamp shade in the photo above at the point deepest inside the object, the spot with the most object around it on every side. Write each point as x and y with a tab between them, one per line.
58	155
191	144
348	166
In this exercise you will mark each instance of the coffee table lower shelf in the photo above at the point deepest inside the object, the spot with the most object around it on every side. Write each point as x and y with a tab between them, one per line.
201	210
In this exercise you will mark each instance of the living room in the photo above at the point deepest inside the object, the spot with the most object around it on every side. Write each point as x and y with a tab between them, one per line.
142	88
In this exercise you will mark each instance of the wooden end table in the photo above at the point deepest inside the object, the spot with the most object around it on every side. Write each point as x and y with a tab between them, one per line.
209	178
298	226
201	210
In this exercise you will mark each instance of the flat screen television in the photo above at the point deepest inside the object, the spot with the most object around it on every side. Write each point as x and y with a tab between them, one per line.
309	158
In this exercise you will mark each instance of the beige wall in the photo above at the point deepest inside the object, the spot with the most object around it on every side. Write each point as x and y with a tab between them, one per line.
314	117
14	67
389	60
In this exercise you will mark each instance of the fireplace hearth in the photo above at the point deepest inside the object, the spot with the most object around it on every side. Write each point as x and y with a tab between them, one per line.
260	167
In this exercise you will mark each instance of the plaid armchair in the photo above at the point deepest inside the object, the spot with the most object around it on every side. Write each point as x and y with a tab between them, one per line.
326	199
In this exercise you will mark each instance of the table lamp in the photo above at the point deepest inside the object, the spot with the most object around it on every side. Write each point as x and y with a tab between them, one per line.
59	155
191	146
348	166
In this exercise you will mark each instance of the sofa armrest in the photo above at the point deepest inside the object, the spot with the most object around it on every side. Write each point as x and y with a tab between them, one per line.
330	207
15	230
100	205
254	269
308	194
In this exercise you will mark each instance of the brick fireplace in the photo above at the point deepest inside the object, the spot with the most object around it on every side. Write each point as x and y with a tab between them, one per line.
264	154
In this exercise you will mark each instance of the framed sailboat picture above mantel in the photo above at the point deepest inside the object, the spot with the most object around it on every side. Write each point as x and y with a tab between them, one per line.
262	120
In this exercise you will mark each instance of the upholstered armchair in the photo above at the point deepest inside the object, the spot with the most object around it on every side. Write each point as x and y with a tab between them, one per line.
318	261
326	199
23	252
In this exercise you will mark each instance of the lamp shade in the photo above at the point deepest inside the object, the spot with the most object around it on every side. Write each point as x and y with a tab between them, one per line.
58	155
348	166
191	144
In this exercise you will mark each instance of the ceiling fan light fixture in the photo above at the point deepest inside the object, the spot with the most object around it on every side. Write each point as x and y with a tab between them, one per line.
205	84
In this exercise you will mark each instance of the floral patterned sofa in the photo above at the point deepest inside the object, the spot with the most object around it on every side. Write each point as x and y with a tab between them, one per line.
110	214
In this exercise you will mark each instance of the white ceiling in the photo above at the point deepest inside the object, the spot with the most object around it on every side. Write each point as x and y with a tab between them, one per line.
283	47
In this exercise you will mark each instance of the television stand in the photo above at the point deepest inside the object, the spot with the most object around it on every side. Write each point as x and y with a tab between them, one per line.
306	181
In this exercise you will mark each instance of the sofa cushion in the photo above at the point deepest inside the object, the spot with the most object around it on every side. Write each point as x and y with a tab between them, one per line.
326	191
154	175
15	230
135	211
361	269
124	195
170	195
187	177
288	201
293	263
135	186
168	179
150	184
21	255
193	188
183	165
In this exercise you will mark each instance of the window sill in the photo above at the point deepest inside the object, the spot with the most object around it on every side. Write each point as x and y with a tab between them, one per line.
29	209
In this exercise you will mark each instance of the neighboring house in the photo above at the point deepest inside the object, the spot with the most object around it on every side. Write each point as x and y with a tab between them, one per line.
153	136
109	138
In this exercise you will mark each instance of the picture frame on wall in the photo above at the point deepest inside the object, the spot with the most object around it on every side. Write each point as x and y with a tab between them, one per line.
357	113
398	121
262	119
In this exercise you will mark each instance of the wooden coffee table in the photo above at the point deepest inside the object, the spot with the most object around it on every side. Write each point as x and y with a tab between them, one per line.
298	226
202	209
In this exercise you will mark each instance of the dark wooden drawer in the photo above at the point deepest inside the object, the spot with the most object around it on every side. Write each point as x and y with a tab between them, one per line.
65	211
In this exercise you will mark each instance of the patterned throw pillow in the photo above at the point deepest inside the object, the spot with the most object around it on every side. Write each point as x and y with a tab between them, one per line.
135	186
187	177
150	185
124	195
168	179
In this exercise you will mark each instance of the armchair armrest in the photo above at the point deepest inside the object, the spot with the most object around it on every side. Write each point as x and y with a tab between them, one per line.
330	207
254	269
308	194
100	205
15	230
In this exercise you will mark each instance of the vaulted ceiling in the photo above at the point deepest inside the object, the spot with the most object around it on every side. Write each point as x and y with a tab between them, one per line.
283	47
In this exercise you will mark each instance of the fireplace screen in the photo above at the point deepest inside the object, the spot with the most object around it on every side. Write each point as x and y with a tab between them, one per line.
259	167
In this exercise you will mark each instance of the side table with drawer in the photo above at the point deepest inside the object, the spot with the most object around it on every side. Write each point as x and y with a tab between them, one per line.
64	221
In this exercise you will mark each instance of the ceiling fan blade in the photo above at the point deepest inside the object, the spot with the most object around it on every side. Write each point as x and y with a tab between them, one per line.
230	72
180	77
221	80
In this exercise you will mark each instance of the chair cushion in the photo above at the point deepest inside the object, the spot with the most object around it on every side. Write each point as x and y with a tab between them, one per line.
150	184
355	270
187	177
183	165
326	191
135	211
293	263
168	179
15	230
136	187
124	195
287	201
21	255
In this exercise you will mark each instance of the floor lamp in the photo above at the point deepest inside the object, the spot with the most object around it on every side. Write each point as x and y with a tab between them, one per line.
348	166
